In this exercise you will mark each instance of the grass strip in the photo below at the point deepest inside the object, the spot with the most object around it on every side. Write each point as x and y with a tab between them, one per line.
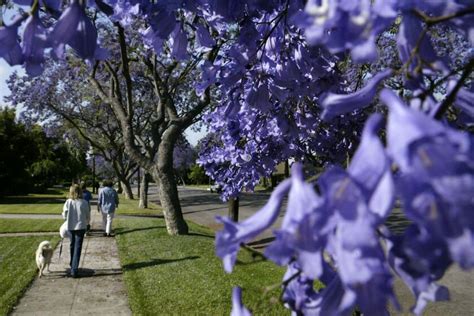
50	202
27	225
17	267
43	208
181	275
130	207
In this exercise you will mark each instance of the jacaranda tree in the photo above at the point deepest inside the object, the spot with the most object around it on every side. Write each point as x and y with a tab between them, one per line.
297	78
60	97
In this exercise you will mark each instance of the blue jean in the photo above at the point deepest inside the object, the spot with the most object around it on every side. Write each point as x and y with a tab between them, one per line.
77	237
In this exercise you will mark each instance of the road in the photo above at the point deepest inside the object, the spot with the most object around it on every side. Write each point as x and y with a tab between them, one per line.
201	206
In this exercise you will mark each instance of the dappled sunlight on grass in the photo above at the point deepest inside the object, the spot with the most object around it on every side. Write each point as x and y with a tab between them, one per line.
181	275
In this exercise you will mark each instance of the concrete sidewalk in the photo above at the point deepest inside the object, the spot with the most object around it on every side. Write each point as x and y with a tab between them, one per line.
99	290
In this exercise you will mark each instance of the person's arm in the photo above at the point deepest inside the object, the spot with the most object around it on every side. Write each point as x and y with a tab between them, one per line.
99	201
88	215
65	209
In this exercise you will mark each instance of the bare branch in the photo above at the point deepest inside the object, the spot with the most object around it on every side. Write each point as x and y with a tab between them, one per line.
452	95
439	19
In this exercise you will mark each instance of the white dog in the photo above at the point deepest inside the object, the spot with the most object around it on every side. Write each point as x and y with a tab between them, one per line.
44	253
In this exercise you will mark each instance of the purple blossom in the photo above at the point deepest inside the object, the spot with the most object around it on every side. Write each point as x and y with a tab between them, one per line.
10	48
203	37
420	259
178	43
337	104
50	4
238	308
409	37
126	11
233	234
259	97
370	168
300	296
152	40
34	43
302	201
208	76
164	24
341	25
438	176
75	29
465	101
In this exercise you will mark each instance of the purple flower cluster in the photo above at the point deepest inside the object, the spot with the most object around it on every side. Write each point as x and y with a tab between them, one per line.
347	25
73	28
337	236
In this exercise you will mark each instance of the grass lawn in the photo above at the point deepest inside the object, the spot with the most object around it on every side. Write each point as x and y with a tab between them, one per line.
50	202
181	275
198	186
130	207
17	267
16	225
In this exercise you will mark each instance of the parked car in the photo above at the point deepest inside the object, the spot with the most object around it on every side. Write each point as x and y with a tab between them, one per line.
215	188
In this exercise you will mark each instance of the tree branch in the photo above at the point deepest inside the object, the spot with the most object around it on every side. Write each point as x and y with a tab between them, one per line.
452	95
438	19
125	69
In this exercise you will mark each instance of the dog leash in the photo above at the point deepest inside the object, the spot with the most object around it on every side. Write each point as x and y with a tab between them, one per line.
61	247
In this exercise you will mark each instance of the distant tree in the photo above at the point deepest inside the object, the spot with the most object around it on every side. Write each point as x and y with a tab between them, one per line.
197	175
16	154
58	159
184	156
32	160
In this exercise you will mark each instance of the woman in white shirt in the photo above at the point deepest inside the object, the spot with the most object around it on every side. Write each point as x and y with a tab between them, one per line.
77	213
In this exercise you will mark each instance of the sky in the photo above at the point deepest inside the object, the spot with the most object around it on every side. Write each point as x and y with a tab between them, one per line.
5	71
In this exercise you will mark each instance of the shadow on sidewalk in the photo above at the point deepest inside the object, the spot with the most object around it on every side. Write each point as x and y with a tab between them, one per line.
87	273
155	262
83	273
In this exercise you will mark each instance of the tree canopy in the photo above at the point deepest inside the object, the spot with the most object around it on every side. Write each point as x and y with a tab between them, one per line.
32	161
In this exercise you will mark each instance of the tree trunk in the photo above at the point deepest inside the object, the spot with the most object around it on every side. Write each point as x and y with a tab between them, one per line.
163	175
127	189
144	191
233	211
93	175
138	181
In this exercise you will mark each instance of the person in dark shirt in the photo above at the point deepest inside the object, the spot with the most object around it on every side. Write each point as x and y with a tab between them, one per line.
87	196
107	203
